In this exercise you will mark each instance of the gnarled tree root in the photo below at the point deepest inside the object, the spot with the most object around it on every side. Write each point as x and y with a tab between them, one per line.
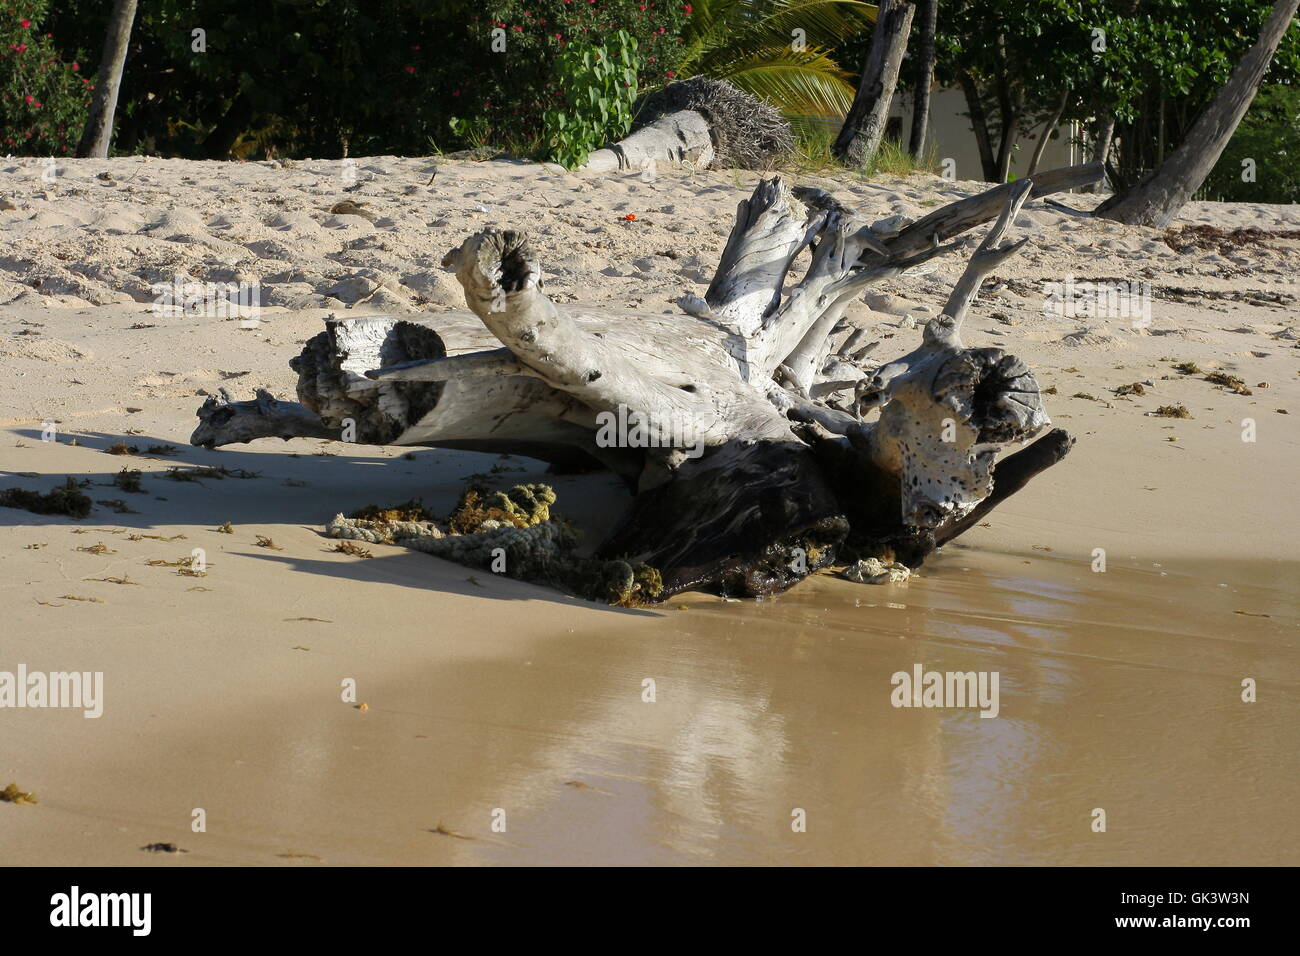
742	425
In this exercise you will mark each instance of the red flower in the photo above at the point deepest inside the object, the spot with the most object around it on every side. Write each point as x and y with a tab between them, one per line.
29	98
518	28
24	23
455	92
410	69
670	74
416	47
76	66
687	8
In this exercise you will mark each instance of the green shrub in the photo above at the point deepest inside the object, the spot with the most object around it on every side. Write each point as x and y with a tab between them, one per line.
43	97
600	88
509	91
1269	134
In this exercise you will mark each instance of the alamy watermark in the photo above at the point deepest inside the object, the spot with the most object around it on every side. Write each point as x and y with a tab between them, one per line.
222	300
628	428
83	690
922	688
1120	299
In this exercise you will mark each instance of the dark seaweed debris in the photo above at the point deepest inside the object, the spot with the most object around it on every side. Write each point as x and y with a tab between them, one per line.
67	499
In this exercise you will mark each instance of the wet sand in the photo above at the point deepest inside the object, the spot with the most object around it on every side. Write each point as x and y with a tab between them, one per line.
1118	690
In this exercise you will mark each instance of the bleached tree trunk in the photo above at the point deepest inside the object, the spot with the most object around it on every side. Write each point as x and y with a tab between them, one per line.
98	133
780	469
1156	200
864	127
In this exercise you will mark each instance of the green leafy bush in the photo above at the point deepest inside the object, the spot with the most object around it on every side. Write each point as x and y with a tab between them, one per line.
43	97
600	88
509	71
1269	135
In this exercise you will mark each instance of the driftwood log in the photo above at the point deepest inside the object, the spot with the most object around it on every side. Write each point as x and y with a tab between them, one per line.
758	439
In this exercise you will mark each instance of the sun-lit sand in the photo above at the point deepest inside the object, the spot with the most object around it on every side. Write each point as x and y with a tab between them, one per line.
487	699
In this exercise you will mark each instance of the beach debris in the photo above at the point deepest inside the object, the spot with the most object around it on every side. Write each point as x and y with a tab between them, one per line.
1230	382
1225	241
11	794
1136	388
162	848
121	448
264	542
67	499
840	453
875	571
509	532
176	473
347	547
349	207
128	479
706	123
76	597
100	548
226	528
1170	411
442	830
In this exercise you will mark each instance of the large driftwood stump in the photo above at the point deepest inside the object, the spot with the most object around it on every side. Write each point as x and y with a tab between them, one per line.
746	426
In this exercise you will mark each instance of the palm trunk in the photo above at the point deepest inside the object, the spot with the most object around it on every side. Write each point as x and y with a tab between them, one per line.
99	124
1102	139
980	126
865	125
1046	133
1011	110
1156	200
924	78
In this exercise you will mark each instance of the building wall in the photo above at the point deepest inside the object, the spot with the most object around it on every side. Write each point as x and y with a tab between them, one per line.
953	137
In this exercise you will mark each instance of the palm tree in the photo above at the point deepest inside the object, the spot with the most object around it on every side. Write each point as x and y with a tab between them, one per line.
753	44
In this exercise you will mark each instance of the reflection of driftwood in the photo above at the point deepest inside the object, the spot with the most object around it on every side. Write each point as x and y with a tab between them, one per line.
754	463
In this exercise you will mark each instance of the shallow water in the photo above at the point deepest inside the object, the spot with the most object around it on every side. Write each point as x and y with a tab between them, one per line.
1119	691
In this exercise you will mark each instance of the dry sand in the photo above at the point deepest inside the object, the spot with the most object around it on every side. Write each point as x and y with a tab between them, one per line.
1119	690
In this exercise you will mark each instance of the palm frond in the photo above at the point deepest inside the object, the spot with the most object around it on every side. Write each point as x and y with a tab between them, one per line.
751	44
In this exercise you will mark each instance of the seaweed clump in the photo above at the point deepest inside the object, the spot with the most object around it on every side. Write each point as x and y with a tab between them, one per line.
412	510
1230	382
523	506
511	533
67	499
11	794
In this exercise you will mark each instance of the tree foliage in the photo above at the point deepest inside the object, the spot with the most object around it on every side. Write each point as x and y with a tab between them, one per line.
43	92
